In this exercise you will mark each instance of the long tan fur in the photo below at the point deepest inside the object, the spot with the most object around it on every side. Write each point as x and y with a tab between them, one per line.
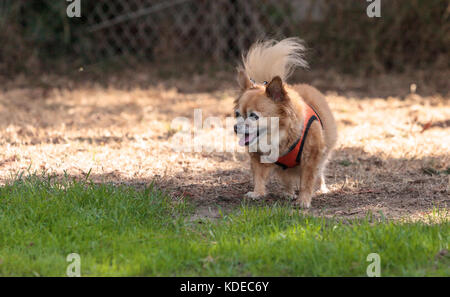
267	59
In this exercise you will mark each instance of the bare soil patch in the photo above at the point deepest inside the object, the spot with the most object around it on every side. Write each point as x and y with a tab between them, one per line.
393	152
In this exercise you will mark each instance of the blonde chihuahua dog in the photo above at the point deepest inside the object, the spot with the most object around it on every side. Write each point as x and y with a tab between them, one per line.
304	133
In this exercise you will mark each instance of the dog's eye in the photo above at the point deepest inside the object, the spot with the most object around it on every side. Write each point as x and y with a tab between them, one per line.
237	114
254	115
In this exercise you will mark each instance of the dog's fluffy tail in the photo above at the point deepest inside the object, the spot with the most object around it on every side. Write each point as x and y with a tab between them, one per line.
269	58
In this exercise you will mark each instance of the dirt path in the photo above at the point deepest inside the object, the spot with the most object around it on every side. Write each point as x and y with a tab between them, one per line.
393	153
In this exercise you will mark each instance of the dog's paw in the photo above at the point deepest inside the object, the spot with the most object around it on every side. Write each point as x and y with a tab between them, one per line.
253	195
303	204
290	196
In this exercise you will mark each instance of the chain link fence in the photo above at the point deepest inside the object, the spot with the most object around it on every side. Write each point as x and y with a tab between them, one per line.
192	29
339	34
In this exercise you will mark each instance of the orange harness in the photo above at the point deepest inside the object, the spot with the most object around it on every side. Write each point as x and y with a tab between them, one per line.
293	156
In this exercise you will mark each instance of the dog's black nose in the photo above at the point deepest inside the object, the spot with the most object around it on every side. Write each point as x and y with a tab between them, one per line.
235	128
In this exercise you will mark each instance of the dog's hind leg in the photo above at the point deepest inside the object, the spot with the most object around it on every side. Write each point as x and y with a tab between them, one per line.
322	185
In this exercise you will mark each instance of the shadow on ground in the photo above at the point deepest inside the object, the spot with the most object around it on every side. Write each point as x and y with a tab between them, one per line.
359	184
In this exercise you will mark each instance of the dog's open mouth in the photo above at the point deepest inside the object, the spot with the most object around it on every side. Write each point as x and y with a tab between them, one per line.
247	138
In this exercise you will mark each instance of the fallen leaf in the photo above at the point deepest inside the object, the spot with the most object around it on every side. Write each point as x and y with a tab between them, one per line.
426	126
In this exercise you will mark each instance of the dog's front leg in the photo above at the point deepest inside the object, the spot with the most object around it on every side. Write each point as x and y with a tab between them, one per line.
261	172
312	158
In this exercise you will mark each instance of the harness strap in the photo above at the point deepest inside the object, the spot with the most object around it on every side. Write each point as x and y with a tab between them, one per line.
293	156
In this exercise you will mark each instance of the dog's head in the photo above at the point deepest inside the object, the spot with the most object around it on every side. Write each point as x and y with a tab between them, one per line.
268	63
261	110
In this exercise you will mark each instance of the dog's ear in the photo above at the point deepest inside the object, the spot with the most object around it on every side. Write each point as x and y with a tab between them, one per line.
275	89
243	80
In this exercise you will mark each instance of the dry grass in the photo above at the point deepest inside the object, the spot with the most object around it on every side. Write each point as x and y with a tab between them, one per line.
393	152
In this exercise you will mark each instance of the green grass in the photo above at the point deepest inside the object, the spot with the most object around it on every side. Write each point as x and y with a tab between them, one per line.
119	230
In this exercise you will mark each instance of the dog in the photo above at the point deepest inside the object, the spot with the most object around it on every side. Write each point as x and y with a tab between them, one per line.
305	133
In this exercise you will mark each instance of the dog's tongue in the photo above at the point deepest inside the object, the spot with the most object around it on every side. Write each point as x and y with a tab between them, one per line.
244	139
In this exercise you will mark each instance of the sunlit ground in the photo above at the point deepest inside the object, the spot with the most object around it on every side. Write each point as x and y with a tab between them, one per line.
392	157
